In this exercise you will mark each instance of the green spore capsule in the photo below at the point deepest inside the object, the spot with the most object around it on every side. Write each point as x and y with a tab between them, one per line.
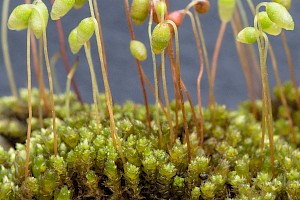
138	50
60	8
19	18
285	3
226	9
73	42
39	18
247	35
160	37
85	30
161	9
79	3
139	11
279	15
267	25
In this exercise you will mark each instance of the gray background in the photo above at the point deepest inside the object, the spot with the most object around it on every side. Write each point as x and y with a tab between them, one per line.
123	76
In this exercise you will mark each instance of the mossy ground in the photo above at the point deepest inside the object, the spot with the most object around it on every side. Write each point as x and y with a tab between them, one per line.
88	167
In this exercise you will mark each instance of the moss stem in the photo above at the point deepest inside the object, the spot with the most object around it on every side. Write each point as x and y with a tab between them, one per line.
51	92
115	137
155	81
200	74
94	81
68	86
291	68
281	93
29	107
166	95
138	64
215	62
180	88
5	49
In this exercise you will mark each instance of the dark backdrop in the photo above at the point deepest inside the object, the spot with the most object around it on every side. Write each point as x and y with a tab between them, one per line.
123	77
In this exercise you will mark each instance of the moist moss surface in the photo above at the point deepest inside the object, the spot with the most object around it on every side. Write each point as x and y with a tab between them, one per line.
229	166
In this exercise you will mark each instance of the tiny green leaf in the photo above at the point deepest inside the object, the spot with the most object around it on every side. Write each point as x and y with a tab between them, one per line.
138	50
247	35
139	11
85	30
39	18
267	25
279	15
60	8
226	8
18	19
73	42
160	37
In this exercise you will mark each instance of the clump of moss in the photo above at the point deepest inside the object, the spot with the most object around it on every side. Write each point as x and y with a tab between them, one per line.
88	166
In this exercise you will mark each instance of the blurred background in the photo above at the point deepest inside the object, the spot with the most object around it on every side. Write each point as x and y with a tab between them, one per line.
230	86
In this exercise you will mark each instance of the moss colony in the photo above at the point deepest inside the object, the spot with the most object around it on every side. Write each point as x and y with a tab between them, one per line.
170	150
88	167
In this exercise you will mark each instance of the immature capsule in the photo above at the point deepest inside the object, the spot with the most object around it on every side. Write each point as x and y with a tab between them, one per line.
73	42
60	8
160	9
18	19
139	11
226	8
247	35
202	6
160	37
79	3
279	15
38	23
285	3
176	16
85	30
138	50
267	25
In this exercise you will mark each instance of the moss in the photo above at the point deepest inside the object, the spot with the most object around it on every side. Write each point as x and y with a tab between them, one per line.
88	165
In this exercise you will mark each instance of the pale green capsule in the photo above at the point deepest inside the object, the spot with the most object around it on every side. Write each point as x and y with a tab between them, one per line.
161	9
267	25
138	50
79	3
38	23
279	15
247	35
60	8
285	3
19	18
139	11
73	42
160	37
85	30
226	9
